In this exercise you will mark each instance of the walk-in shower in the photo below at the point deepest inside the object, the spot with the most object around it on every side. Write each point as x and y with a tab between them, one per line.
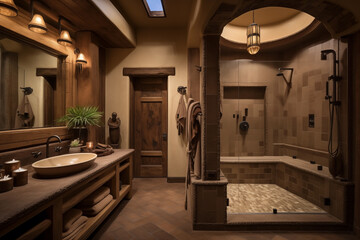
280	164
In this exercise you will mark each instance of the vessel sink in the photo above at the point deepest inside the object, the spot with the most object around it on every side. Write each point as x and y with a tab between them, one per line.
64	164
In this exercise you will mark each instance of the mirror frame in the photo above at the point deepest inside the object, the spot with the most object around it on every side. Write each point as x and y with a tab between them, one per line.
16	28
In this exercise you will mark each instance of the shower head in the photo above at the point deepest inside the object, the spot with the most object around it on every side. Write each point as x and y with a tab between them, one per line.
324	53
281	74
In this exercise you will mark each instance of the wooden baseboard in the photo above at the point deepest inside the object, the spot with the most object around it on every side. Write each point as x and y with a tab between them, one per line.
176	179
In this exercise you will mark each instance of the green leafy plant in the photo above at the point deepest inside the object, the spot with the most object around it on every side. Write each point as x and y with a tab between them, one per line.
75	143
81	117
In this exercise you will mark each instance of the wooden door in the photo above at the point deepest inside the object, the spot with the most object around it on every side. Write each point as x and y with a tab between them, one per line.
150	126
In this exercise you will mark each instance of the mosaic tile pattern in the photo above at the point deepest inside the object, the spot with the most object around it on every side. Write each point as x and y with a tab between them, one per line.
263	198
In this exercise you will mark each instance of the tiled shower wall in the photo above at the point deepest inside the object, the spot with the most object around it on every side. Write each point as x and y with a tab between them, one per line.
242	143
287	109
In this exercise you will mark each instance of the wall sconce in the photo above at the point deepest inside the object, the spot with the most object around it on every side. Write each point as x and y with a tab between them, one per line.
80	60
37	24
64	36
8	8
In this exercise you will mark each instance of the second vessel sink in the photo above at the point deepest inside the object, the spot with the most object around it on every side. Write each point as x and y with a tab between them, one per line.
64	164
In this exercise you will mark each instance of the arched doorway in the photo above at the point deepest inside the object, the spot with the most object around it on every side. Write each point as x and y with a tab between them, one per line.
336	19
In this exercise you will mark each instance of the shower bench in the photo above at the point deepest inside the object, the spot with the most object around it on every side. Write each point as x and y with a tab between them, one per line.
36	209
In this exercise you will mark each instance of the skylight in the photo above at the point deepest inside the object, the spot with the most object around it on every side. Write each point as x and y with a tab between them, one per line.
154	8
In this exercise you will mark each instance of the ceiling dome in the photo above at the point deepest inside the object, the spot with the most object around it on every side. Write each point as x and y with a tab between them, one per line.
276	23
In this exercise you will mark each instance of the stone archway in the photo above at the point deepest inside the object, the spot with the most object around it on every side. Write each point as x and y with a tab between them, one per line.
335	18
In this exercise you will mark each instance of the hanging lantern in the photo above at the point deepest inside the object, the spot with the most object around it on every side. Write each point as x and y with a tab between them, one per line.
253	38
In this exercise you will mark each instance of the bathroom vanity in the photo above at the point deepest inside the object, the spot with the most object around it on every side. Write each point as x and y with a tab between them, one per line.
36	209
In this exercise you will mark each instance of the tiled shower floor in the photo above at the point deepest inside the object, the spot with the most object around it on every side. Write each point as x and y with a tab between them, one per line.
263	198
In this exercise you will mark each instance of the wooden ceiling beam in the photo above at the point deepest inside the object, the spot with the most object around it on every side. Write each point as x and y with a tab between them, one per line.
81	15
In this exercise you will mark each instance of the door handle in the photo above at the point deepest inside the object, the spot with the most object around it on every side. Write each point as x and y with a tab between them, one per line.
164	136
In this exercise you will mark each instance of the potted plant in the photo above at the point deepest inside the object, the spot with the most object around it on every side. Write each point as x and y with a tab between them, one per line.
78	118
75	146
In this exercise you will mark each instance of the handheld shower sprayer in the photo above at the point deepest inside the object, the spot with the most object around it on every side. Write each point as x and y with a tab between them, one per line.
334	160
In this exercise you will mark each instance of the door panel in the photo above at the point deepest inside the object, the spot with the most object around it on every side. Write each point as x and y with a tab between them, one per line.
150	100
151	125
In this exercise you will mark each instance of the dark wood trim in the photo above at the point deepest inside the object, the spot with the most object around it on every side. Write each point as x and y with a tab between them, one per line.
44	72
132	116
14	139
176	179
150	72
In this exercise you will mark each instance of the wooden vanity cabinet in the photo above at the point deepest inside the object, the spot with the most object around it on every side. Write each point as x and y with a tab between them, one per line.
46	222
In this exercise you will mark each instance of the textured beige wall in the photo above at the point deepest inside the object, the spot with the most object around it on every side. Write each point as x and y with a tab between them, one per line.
286	112
155	48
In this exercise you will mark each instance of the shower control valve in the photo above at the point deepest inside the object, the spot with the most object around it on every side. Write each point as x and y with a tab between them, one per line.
244	126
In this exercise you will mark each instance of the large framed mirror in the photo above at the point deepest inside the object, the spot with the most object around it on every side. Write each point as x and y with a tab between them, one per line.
28	78
36	72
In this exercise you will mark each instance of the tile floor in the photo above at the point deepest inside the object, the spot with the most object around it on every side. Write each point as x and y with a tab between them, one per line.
263	198
156	211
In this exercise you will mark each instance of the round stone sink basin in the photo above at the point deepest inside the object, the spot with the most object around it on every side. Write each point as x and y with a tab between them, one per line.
64	164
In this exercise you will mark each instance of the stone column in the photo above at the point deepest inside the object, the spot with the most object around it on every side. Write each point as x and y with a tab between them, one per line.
211	109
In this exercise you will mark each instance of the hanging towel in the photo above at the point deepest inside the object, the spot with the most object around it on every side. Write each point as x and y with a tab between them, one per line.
75	227
193	147
24	114
181	115
95	197
70	217
94	210
194	134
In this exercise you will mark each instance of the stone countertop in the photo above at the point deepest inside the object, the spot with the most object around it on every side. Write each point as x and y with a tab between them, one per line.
24	199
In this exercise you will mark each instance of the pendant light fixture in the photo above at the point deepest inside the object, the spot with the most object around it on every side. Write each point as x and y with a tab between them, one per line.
37	24
253	37
64	36
8	8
